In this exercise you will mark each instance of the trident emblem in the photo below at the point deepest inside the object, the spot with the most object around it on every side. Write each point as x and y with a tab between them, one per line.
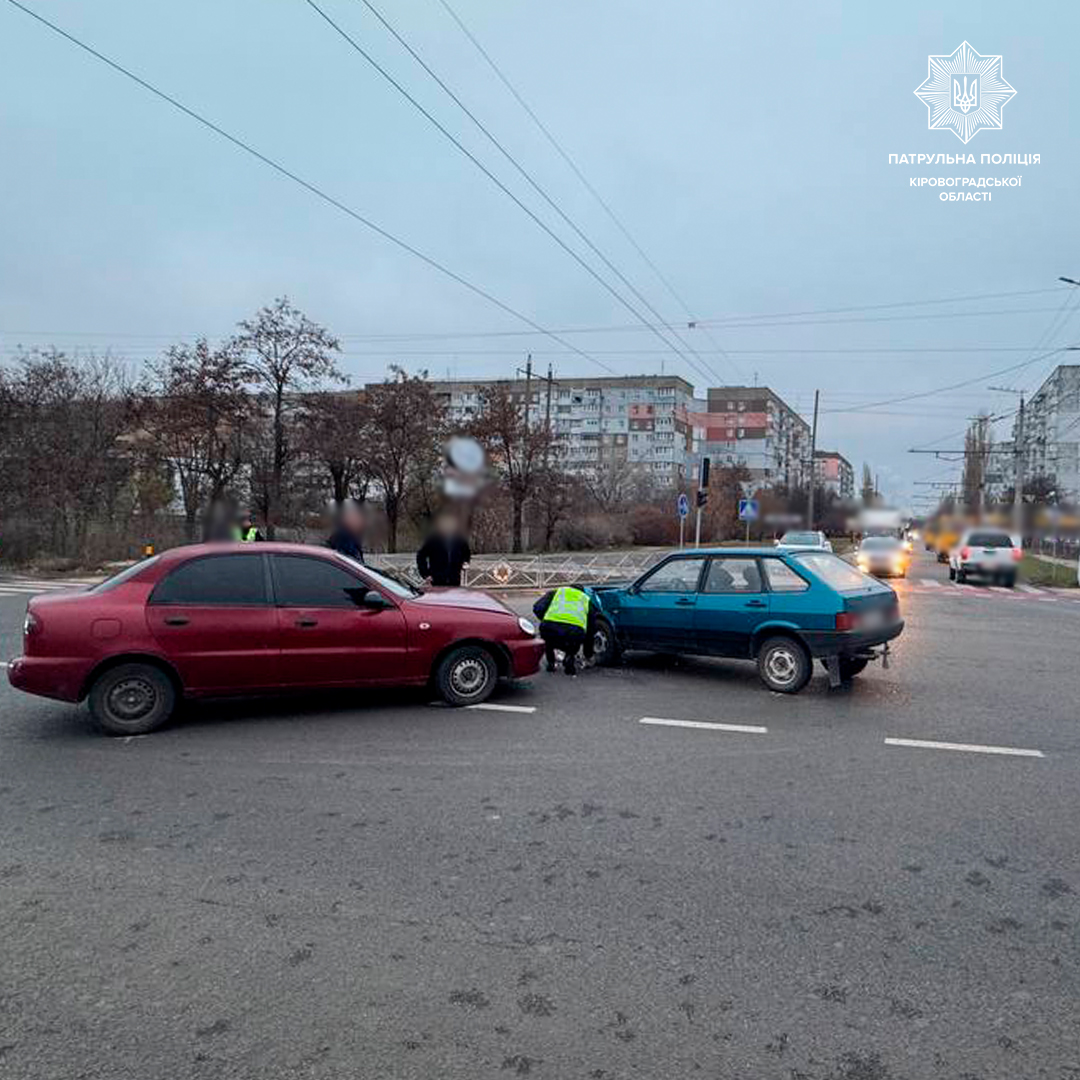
964	99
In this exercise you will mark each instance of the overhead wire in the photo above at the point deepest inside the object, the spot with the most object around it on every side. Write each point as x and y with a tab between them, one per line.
530	179
306	184
361	51
575	168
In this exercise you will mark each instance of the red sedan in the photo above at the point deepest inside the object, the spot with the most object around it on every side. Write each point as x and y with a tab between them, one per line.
217	619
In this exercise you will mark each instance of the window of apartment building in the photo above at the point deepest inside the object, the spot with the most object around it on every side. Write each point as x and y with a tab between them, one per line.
742	433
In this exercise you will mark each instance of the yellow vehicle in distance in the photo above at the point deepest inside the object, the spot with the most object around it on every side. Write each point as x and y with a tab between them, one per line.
947	533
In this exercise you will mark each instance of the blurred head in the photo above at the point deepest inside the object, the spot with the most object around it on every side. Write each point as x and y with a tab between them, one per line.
352	517
446	524
246	520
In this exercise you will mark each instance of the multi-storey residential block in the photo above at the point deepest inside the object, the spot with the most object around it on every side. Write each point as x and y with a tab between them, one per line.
1050	441
834	473
754	427
639	420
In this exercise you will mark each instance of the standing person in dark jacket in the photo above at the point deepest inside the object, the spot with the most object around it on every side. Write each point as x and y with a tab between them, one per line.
348	534
445	553
567	622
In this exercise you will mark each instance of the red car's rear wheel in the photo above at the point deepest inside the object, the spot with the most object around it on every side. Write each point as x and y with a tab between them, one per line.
132	699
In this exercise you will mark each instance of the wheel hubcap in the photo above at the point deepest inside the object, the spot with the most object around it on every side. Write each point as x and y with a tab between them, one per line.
782	666
468	677
131	699
600	643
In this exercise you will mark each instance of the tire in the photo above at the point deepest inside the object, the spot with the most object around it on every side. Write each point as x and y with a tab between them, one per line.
466	675
1009	581
961	577
852	666
783	665
132	699
952	574
606	651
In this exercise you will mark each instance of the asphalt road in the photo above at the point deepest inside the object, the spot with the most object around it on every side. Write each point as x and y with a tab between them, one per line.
374	887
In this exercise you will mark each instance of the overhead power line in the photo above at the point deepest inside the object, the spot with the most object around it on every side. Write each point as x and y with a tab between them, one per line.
951	386
533	183
307	185
432	119
562	152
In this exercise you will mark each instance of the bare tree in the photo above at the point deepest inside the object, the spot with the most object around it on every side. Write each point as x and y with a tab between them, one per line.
403	428
193	416
516	448
332	434
285	353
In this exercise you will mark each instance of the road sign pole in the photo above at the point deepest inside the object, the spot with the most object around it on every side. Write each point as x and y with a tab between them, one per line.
682	529
697	528
748	530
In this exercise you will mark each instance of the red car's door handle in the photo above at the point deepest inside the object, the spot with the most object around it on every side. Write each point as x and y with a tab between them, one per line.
176	620
307	622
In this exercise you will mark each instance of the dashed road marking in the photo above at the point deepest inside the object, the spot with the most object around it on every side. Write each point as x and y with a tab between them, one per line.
492	706
1024	587
931	583
744	729
969	748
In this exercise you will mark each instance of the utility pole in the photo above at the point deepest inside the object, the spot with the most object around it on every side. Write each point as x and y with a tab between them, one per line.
813	468
528	388
1019	463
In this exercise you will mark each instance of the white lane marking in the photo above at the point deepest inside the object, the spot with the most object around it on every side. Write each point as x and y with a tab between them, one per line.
970	748
1024	587
930	583
494	707
746	729
4	663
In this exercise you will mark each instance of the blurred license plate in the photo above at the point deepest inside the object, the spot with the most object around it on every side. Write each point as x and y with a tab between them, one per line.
874	617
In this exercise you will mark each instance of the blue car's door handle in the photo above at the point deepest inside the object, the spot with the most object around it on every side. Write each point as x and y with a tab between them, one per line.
684	601
756	603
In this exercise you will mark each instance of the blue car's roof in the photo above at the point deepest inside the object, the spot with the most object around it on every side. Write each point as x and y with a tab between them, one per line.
751	550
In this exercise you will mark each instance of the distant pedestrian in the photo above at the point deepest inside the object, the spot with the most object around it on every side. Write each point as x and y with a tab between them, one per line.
444	554
347	536
247	531
567	622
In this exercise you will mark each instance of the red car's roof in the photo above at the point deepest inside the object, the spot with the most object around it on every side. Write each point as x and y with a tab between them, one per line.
190	551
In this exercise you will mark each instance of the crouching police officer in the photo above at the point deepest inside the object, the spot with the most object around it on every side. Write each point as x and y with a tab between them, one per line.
567	621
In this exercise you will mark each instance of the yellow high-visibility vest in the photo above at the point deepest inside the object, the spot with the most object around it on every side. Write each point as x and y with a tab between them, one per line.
570	606
245	535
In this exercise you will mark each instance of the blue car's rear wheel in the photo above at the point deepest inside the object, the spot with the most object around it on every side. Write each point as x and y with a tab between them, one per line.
784	665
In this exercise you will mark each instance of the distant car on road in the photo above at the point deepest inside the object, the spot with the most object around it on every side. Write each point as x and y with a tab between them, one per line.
217	619
780	608
804	541
883	556
990	554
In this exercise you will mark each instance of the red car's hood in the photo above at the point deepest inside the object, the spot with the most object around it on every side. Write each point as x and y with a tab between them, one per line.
461	598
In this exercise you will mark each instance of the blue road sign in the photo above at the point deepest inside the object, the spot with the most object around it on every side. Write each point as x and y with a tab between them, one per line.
683	506
748	509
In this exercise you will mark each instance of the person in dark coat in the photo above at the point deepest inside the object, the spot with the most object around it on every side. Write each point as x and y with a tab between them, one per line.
348	534
445	553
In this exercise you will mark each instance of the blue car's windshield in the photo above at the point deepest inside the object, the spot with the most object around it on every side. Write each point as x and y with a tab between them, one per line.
831	569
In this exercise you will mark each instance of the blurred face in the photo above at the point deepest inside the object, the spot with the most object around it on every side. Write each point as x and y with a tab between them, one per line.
446	525
354	519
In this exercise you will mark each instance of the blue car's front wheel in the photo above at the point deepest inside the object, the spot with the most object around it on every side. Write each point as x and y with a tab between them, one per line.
605	645
784	665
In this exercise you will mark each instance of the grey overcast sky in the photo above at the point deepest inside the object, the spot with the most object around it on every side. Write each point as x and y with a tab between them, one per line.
745	146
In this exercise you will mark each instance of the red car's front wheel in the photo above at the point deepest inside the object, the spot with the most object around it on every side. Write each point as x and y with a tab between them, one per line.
467	675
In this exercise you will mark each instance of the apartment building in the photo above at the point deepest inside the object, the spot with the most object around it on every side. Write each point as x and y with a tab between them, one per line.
833	472
641	420
1050	441
754	427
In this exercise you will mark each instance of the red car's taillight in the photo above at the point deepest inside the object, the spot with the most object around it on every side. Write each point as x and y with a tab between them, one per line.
845	620
965	553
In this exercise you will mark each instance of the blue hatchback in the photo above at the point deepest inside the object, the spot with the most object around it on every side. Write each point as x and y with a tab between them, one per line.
779	608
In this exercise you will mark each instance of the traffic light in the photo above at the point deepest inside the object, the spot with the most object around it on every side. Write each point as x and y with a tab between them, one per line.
704	474
702	496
